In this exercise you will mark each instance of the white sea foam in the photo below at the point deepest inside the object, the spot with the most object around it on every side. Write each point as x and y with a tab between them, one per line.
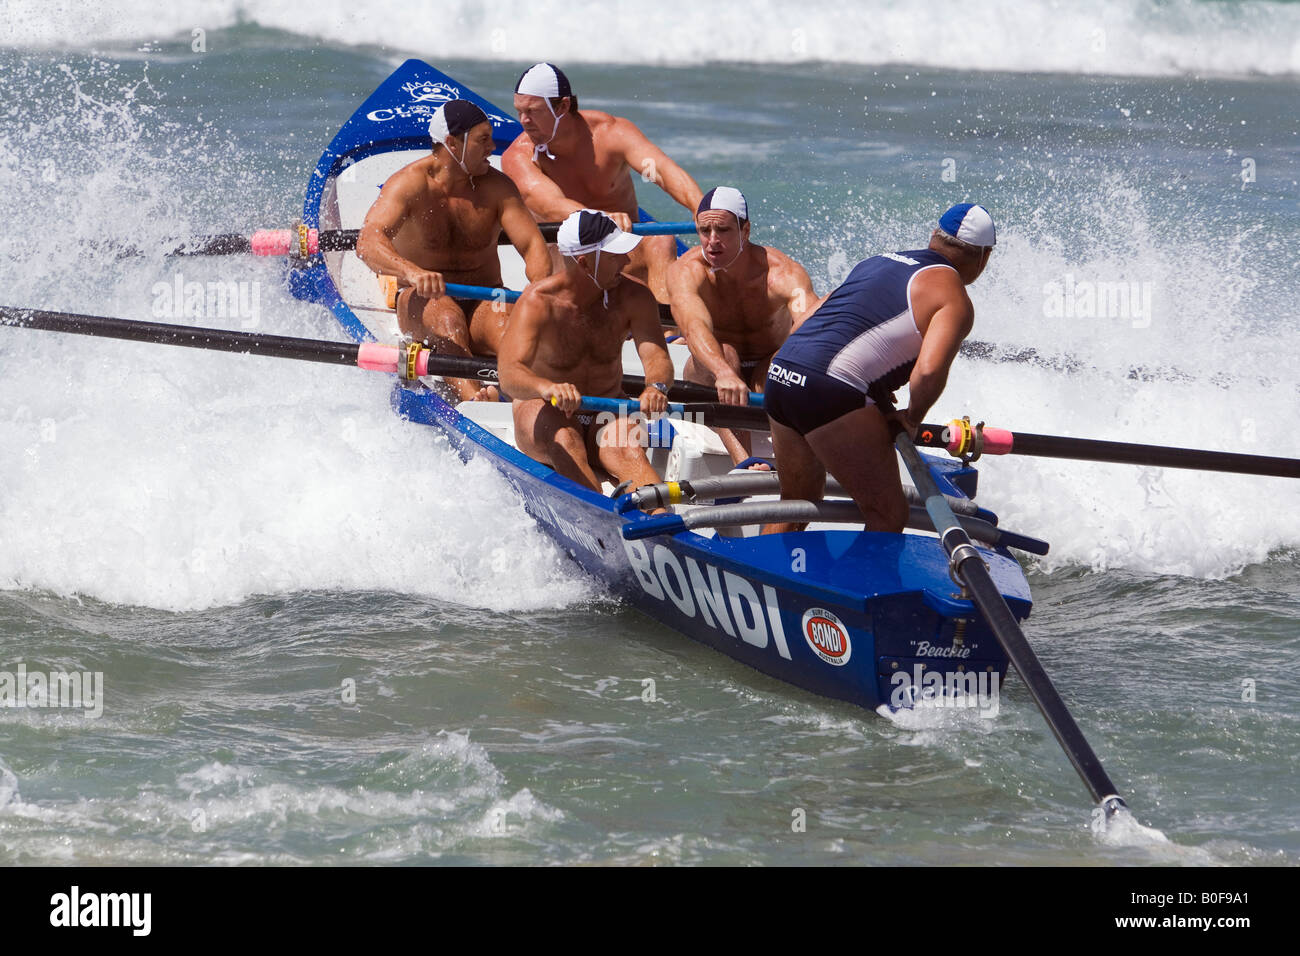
185	479
196	479
1136	37
8	785
1214	366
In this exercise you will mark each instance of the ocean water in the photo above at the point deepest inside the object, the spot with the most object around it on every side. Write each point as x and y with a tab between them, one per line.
323	639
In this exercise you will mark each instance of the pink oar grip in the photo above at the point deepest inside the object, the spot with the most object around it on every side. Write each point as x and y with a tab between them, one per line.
270	242
280	242
422	362
380	358
998	441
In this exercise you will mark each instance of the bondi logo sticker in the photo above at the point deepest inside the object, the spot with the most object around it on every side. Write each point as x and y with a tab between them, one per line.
827	636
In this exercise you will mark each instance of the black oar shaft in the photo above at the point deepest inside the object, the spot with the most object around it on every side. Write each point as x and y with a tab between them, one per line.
969	567
1088	449
282	346
220	340
1126	453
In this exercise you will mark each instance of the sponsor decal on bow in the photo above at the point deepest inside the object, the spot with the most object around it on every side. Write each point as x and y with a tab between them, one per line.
827	636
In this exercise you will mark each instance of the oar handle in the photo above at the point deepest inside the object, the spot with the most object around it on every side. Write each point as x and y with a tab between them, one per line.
484	292
662	228
489	294
591	403
713	414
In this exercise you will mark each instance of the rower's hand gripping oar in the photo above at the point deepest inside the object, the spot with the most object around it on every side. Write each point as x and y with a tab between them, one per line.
968	567
964	440
712	414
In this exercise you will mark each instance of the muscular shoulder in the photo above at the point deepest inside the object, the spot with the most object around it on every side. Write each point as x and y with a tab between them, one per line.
688	270
518	156
940	281
612	132
940	288
784	275
497	185
540	300
411	178
633	294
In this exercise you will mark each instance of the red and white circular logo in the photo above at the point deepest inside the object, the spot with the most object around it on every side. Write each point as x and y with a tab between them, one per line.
827	636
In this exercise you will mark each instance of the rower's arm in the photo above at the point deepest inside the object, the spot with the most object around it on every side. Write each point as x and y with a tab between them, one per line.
693	318
521	229
518	351
652	164
540	193
803	300
385	218
648	334
950	324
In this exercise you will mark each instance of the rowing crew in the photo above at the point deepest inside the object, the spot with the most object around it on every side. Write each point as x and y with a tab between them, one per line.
749	313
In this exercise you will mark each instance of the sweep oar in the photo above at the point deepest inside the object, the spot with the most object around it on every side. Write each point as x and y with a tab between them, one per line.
967	565
960	438
367	355
303	243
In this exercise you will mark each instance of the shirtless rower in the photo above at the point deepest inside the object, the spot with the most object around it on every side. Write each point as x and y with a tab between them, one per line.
437	220
735	302
565	340
899	318
565	161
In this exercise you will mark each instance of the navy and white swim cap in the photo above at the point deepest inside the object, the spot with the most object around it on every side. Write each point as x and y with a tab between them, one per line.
590	231
544	79
728	198
970	223
454	118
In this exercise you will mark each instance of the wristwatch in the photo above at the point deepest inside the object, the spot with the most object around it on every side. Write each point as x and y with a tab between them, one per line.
662	386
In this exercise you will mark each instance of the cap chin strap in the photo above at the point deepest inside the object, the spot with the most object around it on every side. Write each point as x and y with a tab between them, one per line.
605	298
464	151
713	271
545	147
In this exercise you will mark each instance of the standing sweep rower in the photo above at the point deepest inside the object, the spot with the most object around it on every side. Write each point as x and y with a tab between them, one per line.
899	318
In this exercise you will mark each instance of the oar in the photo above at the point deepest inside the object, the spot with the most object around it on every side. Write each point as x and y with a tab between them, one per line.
966	563
490	294
755	403
960	438
303	243
368	355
